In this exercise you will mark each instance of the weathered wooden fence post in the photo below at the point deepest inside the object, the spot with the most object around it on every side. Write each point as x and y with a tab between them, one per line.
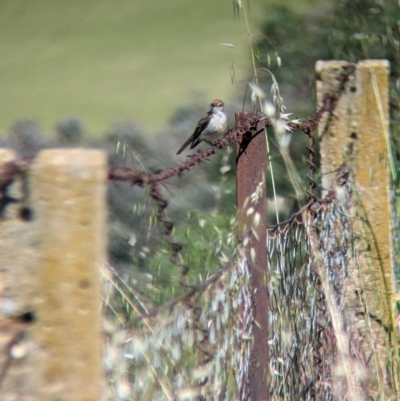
357	134
250	180
52	242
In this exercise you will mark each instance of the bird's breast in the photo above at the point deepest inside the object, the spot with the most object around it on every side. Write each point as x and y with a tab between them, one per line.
215	127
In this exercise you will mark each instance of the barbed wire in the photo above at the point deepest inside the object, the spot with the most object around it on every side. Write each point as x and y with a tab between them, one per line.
247	123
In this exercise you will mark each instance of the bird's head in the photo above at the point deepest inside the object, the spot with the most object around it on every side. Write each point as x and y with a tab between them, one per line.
216	106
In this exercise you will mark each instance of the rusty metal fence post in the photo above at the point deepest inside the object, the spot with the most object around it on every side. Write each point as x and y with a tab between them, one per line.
251	204
52	240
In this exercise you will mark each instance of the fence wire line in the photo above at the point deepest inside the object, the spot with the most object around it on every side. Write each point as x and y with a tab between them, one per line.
302	339
200	348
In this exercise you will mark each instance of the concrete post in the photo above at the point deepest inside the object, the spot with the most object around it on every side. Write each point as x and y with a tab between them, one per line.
357	134
50	293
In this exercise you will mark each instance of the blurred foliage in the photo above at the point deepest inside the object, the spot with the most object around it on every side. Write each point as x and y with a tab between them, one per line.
70	130
26	137
363	29
350	30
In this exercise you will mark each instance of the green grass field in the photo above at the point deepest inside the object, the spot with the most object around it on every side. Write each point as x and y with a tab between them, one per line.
105	61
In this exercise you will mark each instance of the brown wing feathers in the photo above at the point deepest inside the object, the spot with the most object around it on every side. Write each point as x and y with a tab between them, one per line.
193	139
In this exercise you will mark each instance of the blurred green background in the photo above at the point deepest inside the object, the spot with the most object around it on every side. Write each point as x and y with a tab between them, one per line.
106	61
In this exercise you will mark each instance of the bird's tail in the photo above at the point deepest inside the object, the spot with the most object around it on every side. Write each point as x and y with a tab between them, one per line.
185	145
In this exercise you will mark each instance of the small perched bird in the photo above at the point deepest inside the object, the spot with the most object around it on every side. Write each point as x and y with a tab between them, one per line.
209	128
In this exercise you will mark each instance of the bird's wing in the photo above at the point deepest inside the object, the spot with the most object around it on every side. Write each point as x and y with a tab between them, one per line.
193	139
200	127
